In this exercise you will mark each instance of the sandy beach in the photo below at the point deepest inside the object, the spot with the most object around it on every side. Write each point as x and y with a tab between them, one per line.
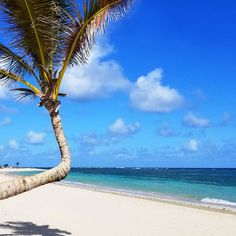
7	170
63	210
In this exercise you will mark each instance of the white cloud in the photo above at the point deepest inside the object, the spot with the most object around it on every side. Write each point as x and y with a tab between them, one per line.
5	121
35	138
1	147
100	77
119	127
191	120
13	144
192	145
148	94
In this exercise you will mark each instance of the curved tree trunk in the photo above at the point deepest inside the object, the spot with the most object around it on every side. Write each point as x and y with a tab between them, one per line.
23	184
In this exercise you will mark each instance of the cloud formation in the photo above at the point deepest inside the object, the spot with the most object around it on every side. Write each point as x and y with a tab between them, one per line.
191	120
119	127
35	138
192	145
100	77
92	144
150	95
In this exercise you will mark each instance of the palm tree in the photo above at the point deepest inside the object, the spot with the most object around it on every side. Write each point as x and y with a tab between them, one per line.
46	37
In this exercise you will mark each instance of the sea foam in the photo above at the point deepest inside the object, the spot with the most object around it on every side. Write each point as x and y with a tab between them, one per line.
218	201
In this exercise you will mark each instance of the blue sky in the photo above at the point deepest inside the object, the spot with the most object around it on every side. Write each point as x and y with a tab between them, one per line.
159	90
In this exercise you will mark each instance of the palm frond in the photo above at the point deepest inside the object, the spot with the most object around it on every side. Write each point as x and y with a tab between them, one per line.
14	63
53	34
93	19
24	94
36	26
62	94
82	31
7	78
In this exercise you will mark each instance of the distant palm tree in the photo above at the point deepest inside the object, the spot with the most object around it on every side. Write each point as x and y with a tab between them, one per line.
17	164
46	37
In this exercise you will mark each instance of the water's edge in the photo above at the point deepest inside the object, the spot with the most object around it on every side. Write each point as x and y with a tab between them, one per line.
153	197
169	199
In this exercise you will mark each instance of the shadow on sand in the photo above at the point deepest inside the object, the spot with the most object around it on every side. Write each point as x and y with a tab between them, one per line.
29	228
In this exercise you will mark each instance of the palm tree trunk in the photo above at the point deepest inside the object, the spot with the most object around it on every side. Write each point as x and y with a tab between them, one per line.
22	184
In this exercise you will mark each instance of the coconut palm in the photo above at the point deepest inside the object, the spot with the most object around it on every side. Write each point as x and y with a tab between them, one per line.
44	38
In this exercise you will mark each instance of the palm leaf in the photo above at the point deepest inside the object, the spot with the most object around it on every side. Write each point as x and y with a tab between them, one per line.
24	94
14	63
37	28
7	78
94	16
53	34
82	31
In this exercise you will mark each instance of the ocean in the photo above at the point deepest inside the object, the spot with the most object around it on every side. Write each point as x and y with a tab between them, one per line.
211	186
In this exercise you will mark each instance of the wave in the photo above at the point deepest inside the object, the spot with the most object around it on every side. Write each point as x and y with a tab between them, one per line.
218	201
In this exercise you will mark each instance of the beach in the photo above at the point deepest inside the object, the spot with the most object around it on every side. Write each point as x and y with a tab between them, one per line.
9	170
57	209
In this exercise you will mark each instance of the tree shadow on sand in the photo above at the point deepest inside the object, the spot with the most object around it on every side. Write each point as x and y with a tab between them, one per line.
29	228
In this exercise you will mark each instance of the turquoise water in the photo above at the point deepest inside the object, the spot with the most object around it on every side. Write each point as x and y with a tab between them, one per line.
207	185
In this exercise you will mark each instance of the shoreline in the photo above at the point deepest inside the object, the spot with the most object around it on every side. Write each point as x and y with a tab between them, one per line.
68	210
156	198
136	194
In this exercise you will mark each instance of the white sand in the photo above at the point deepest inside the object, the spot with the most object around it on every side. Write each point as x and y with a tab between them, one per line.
62	210
4	170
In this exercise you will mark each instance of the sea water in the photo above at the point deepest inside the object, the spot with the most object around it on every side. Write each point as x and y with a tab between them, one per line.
216	186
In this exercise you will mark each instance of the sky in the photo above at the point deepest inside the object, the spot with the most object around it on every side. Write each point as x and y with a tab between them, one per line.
158	91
